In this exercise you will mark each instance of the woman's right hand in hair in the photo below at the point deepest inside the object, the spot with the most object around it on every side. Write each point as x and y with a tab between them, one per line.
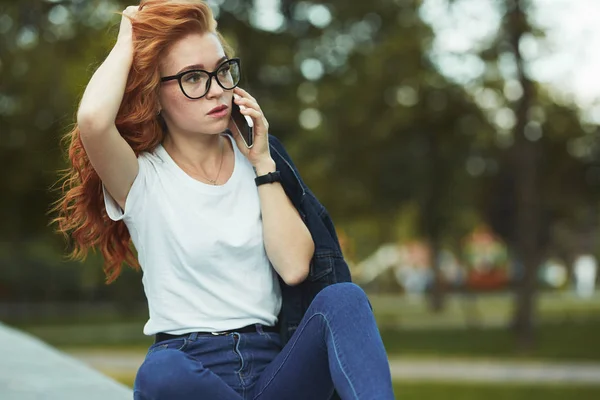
129	13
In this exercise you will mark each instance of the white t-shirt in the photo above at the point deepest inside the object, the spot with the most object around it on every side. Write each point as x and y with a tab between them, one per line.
200	247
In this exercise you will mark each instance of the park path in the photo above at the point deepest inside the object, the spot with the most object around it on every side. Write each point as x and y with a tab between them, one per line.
496	371
32	370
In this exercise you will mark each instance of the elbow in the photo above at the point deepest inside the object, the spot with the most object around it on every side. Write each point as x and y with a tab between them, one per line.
300	274
298	270
90	122
302	269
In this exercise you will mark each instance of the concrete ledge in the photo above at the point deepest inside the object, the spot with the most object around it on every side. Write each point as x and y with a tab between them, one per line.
31	369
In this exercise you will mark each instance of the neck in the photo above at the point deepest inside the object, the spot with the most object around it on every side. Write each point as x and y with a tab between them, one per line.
201	153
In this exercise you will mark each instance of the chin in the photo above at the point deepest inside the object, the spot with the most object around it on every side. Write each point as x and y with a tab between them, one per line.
217	128
222	127
207	127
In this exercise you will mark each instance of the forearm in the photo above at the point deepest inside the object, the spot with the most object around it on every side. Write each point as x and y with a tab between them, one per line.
288	242
104	93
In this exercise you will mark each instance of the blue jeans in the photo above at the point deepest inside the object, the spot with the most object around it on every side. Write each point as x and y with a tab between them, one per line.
337	345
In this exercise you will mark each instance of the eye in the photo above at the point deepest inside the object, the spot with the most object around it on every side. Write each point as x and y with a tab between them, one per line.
224	70
193	77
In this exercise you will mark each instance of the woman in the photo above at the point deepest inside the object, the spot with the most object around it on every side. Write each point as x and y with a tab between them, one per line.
218	234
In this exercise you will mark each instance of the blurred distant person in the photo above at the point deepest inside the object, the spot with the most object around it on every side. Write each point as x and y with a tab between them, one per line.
413	269
487	259
452	271
226	231
385	257
584	270
553	273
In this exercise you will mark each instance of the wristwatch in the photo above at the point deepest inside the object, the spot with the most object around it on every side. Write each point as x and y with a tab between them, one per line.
268	178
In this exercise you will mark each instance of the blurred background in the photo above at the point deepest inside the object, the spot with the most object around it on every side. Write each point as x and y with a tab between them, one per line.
456	144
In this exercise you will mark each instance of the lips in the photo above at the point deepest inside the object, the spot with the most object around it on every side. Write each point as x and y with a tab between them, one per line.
217	109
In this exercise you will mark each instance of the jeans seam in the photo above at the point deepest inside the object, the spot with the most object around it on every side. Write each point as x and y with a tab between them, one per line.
285	359
337	356
294	345
184	345
236	350
235	353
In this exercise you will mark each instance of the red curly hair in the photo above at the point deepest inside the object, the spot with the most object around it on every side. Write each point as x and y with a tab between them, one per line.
81	212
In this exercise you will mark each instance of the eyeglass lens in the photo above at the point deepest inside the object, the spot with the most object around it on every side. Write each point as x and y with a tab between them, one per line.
197	83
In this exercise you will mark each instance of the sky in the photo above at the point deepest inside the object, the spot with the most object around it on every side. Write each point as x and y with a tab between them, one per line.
567	60
574	28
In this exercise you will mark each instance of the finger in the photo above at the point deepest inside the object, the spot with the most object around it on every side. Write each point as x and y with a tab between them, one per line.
238	90
240	101
130	11
256	116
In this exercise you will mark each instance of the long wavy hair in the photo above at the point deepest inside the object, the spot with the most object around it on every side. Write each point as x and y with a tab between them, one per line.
81	212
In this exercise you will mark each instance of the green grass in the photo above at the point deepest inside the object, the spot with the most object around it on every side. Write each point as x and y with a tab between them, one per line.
558	341
468	327
454	391
555	341
126	379
482	310
112	335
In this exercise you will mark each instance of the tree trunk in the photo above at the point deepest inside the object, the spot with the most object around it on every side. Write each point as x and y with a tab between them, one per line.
433	223
528	207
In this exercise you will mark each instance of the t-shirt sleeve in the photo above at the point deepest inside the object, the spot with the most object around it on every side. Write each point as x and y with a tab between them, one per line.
133	202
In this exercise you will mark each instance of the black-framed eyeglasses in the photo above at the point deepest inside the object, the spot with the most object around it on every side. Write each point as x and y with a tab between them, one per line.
195	84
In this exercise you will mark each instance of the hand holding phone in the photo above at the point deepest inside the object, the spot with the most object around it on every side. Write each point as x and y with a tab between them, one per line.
244	125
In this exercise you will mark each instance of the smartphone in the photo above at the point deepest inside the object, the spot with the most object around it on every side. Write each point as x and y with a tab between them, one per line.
244	124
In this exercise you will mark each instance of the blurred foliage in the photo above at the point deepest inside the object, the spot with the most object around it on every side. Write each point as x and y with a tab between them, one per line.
393	148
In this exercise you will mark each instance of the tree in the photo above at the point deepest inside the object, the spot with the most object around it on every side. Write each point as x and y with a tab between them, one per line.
526	158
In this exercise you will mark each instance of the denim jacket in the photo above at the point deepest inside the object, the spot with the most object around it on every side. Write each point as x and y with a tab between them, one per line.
327	265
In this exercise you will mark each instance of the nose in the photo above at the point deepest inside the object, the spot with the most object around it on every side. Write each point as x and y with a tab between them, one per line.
214	89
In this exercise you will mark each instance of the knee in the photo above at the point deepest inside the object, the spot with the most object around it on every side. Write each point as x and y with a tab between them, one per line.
159	375
346	295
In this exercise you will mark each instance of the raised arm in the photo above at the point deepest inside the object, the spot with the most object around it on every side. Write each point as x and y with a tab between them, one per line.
110	155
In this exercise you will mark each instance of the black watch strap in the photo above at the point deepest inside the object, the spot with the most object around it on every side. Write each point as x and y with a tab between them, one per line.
268	178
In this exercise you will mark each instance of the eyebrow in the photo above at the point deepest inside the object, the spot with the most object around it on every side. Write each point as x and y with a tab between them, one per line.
200	66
